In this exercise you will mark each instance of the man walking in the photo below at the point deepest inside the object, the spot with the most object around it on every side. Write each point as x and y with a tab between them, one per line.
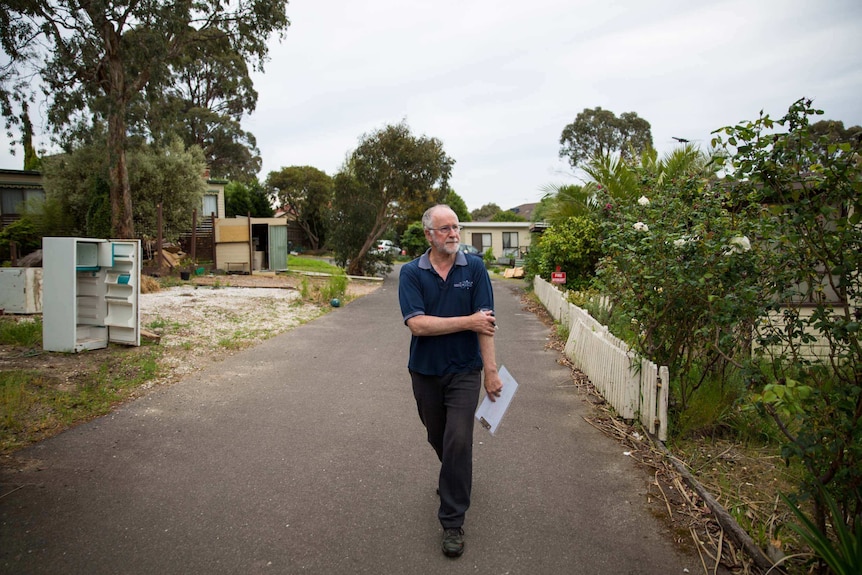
448	304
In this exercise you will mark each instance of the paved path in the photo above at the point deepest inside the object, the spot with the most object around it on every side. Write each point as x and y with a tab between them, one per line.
305	455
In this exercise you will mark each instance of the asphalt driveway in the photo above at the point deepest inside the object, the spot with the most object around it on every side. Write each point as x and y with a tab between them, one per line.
305	454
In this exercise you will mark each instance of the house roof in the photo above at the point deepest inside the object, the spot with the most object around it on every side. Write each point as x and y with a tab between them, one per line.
4	171
524	210
20	179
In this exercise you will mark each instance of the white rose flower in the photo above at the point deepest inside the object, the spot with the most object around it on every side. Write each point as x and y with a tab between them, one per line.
643	200
741	241
738	245
641	227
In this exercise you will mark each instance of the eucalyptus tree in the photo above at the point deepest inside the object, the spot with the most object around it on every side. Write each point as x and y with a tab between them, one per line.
486	212
389	174
596	132
307	192
204	104
92	60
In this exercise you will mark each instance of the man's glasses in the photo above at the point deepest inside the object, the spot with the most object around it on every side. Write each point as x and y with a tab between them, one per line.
446	229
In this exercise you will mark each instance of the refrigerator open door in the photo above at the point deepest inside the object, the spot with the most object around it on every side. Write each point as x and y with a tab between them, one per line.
122	261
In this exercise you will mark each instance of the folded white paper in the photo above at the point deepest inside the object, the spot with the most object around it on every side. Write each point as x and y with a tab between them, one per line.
490	413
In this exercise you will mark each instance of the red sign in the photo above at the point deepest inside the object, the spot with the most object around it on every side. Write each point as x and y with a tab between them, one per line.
558	277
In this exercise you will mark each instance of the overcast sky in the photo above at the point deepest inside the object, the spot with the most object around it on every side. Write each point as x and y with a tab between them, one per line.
497	82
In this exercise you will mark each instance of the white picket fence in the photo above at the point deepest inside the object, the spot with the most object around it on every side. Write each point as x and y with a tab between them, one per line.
635	387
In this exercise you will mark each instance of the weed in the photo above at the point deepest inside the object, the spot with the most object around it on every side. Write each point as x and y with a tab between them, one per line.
170	281
336	287
14	399
235	341
562	332
26	332
32	407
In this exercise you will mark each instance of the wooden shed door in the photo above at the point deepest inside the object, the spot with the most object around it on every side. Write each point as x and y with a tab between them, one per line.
277	247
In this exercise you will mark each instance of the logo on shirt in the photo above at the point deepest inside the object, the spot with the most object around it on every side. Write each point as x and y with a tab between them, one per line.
466	284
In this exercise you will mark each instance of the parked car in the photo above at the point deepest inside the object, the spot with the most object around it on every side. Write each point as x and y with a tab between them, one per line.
384	246
468	249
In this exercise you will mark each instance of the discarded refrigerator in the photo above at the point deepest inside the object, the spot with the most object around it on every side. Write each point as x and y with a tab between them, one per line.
90	290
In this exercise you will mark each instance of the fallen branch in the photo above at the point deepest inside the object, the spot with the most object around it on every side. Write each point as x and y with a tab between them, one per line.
724	518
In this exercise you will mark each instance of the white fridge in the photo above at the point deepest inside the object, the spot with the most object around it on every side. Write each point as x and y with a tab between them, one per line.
90	291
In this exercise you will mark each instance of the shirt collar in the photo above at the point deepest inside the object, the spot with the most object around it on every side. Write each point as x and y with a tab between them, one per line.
425	261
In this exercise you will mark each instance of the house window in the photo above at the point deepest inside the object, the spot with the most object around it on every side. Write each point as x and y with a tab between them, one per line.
210	205
481	242
510	244
12	200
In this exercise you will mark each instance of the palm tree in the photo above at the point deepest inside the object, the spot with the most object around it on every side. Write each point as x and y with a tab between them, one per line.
622	180
567	200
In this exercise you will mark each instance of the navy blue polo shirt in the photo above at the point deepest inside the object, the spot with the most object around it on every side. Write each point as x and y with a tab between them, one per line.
466	290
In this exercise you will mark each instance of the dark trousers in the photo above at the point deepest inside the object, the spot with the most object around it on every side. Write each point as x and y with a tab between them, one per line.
447	405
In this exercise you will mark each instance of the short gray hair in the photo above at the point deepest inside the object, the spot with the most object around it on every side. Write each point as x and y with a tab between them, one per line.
426	217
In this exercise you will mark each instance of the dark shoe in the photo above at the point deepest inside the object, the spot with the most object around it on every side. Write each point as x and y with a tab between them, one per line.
453	542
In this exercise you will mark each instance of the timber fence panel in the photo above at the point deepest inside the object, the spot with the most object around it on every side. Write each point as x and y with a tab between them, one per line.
635	388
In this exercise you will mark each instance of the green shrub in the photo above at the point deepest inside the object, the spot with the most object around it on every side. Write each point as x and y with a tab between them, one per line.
573	246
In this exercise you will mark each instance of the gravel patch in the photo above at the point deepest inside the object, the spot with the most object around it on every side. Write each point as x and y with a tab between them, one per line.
194	321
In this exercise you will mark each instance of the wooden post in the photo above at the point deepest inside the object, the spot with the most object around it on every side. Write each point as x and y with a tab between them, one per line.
194	236
159	238
213	240
250	247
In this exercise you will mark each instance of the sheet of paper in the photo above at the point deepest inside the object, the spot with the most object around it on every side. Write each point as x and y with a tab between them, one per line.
490	413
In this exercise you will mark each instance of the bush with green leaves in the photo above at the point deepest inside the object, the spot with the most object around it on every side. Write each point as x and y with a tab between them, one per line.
25	235
680	264
573	246
413	241
811	186
489	258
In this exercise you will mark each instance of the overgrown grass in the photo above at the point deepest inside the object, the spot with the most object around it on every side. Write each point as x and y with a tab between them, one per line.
562	331
33	406
26	332
335	288
322	292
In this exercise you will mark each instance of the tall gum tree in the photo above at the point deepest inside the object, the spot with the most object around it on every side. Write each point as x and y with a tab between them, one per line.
391	172
597	132
94	58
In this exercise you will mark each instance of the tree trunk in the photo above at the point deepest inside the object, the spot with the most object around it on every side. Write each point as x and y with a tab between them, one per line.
112	79
122	223
309	234
355	268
